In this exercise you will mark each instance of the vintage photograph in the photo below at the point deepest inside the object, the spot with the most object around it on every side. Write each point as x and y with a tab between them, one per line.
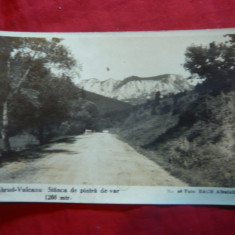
124	109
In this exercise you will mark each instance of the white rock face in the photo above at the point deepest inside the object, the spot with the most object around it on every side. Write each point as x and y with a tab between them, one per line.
104	88
136	89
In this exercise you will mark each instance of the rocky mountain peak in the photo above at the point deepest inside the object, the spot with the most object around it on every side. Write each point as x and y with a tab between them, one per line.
137	90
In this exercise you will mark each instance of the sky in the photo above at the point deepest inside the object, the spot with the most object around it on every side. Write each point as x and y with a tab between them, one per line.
119	56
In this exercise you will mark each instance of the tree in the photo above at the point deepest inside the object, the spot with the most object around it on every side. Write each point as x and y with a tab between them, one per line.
215	63
22	59
55	99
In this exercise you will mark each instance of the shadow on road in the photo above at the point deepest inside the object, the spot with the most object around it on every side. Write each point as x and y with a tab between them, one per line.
64	139
35	152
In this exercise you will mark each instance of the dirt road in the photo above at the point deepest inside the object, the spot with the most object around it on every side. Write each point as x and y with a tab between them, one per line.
92	159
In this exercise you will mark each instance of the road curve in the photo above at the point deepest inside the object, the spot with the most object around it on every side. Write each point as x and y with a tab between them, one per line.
91	159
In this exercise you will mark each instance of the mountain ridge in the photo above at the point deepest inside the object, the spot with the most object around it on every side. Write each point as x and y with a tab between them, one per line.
137	90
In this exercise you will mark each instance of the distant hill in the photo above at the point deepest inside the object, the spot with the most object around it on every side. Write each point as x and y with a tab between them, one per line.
104	104
137	90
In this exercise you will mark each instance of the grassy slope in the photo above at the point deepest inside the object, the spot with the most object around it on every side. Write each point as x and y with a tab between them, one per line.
192	137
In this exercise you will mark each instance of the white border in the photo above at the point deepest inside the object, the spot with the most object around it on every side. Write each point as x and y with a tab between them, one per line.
117	194
120	34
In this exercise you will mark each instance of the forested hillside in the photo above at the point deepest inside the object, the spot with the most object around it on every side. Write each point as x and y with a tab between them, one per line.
104	104
192	134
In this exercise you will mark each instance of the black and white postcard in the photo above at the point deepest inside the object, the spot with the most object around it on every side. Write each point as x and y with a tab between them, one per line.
132	117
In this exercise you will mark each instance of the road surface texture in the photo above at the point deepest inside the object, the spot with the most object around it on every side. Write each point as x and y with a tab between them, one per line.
92	159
